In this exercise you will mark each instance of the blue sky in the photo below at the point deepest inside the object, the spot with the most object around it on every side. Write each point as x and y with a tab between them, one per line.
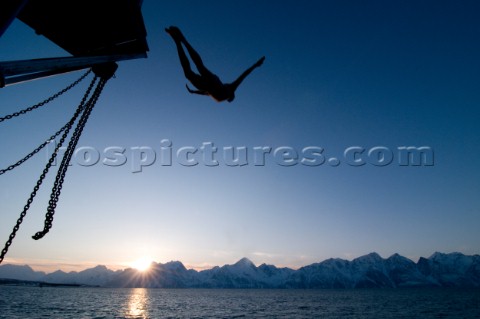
337	74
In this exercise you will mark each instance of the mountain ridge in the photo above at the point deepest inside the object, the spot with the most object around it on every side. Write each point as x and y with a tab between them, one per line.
367	271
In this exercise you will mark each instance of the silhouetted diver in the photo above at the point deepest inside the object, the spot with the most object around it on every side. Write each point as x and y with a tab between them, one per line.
206	82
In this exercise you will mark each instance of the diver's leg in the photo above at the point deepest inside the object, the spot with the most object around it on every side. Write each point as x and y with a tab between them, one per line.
196	58
187	70
177	34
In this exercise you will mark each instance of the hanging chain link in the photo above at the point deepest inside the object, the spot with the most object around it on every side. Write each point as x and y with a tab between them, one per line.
41	146
81	109
53	97
57	186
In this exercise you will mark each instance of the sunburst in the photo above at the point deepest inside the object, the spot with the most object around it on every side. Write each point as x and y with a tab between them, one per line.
142	264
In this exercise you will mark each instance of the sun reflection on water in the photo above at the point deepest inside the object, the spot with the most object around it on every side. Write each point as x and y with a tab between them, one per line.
138	304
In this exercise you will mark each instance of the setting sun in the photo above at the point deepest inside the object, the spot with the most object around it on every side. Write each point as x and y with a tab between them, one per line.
142	264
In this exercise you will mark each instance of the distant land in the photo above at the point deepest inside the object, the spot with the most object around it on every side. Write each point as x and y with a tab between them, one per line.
369	271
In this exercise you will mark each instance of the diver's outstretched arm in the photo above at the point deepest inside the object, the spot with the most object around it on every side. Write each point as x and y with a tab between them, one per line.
239	80
200	92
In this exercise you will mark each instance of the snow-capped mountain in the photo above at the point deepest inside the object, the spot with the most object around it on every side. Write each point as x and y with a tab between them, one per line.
97	276
451	270
364	272
244	274
439	270
20	272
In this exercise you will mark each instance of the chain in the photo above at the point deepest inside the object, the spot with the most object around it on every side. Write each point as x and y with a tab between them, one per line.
80	109
57	187
41	146
53	97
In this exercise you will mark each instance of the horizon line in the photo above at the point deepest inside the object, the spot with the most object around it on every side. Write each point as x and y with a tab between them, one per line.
49	267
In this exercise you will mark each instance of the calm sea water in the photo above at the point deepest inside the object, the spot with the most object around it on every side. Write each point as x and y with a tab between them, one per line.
34	302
